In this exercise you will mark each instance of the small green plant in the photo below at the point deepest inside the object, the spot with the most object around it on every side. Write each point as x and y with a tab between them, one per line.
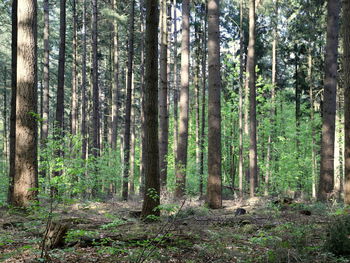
76	235
338	241
113	224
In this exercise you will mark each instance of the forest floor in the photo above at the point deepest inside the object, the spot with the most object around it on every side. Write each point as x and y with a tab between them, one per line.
188	232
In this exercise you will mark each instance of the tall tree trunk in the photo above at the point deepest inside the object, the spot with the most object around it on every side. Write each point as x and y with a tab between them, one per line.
240	102
142	84
312	121
163	97
128	103
214	199
346	70
95	87
176	89
84	90
4	115
197	60
13	100
46	95
204	72
273	100
132	145
253	169
115	86
152	182
59	118
74	101
329	103
181	158
26	163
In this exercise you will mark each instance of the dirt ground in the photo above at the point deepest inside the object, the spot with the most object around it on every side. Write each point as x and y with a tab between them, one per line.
111	231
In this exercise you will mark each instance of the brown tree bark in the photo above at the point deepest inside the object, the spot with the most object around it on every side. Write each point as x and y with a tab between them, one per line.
176	90
13	99
214	199
46	96
163	97
181	158
74	100
253	169
240	102
128	103
26	163
83	90
115	86
151	150
95	87
204	81
346	72
326	182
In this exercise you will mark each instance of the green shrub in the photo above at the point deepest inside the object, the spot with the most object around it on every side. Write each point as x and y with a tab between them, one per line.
338	241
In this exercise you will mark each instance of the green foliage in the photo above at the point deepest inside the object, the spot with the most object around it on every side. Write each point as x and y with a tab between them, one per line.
76	235
338	241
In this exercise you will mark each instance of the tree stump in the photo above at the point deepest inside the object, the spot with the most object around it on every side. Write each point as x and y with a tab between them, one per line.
54	235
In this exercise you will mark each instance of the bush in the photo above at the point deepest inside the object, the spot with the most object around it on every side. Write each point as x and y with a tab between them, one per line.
338	241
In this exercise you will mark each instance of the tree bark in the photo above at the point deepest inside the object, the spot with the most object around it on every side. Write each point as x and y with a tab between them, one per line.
176	90
214	199
253	169
128	104
26	163
13	100
151	150
346	70
240	102
326	182
74	101
95	88
181	158
83	90
163	97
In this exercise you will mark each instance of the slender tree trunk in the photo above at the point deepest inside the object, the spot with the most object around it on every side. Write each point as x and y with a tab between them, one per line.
181	158
74	101
128	103
95	88
273	100
46	96
204	72
176	89
142	84
338	148
253	169
132	144
26	161
240	102
152	182
13	100
115	86
326	182
83	90
214	199
4	115
346	70
163	97
312	121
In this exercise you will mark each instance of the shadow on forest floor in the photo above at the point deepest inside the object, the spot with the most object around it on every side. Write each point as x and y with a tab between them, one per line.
112	232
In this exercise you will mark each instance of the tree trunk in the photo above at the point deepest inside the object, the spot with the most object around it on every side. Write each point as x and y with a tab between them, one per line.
128	103
329	103
240	102
346	70
83	90
74	101
252	99
181	158
204	72
4	115
176	89
214	199
46	95
132	144
115	86
163	96
142	84
95	88
152	183
13	100
26	163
